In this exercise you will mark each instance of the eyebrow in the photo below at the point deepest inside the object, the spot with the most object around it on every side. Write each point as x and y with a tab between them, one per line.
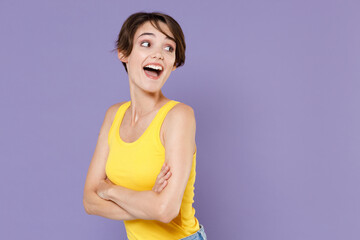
151	34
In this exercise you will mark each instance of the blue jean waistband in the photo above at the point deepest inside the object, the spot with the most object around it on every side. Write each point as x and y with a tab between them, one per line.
199	235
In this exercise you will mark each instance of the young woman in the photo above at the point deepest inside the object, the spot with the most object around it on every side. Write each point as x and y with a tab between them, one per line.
140	140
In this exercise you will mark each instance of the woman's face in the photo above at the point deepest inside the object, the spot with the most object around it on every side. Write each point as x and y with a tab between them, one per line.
152	58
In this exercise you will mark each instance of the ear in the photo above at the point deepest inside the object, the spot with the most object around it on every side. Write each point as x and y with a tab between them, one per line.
174	67
122	57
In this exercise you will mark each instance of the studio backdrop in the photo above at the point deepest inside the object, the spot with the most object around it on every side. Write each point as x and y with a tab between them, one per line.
275	86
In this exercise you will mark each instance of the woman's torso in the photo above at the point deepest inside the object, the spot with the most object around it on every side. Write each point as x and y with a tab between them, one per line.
135	158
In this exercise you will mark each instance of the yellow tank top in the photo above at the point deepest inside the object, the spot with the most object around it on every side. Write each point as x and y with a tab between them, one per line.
136	165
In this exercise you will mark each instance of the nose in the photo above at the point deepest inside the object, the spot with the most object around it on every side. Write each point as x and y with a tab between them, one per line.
158	55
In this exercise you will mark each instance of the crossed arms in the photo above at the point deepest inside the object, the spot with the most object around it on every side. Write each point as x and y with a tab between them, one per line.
105	199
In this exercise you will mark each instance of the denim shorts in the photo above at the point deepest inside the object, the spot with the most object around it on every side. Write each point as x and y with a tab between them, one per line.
199	235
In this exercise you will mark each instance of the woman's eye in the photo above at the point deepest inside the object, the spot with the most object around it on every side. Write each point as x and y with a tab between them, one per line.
145	44
169	48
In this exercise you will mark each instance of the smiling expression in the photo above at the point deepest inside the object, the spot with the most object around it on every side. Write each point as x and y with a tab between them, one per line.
152	58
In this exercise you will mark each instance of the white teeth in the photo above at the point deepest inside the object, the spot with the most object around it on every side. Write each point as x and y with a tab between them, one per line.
156	67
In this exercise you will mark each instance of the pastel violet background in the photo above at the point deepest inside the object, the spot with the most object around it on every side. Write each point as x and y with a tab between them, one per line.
276	92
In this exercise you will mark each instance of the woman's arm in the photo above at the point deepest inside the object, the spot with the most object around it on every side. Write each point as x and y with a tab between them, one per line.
108	209
93	204
179	150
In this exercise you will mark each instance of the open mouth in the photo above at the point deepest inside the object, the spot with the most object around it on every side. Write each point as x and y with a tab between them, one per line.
153	71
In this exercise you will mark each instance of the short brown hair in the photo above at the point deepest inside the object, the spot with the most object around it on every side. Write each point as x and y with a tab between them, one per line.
125	39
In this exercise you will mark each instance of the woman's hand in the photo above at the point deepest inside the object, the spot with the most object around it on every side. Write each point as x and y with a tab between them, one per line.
162	179
103	188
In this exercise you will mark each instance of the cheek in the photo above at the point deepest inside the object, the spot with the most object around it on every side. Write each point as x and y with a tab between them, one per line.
171	60
135	60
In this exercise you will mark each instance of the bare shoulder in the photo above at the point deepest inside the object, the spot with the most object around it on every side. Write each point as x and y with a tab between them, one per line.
110	114
112	110
180	122
181	116
183	111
